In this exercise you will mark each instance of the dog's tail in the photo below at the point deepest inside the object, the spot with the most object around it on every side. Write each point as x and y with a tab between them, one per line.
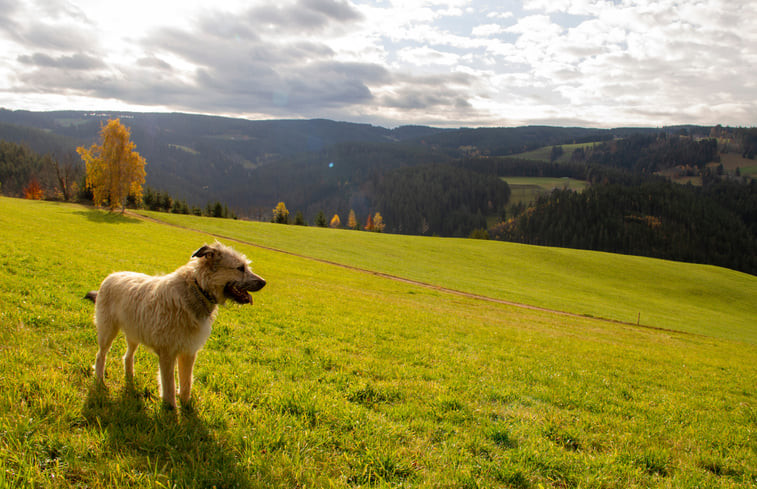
91	295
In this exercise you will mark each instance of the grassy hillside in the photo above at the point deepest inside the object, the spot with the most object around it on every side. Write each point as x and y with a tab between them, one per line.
693	298
527	189
338	378
746	167
545	153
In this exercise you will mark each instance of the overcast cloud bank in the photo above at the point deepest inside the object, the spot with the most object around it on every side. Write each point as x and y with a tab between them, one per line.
443	63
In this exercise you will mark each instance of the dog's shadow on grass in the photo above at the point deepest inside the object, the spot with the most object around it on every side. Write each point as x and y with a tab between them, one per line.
177	444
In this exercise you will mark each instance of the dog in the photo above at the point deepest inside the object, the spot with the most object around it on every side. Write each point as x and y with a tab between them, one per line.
170	314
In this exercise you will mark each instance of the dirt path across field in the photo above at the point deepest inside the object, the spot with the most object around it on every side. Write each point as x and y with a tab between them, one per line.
404	280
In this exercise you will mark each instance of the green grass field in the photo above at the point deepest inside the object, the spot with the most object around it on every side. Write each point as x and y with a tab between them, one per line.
685	297
527	189
746	167
545	153
340	378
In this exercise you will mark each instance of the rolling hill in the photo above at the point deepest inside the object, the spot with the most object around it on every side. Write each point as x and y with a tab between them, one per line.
252	165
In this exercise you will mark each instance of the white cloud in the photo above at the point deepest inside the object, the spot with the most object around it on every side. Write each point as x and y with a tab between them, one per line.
500	15
425	55
487	30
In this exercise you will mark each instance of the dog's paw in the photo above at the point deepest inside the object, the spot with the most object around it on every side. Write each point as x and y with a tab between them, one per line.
188	407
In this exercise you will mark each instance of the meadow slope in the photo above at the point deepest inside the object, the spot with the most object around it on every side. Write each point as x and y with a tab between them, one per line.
699	299
338	378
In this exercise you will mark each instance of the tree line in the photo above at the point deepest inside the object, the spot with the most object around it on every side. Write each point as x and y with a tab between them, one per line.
445	200
108	174
374	222
714	224
155	200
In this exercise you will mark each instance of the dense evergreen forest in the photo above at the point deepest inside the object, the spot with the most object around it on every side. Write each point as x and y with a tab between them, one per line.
18	165
650	153
441	199
714	224
425	180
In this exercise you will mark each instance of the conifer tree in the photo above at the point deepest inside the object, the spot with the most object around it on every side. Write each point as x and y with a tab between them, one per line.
320	220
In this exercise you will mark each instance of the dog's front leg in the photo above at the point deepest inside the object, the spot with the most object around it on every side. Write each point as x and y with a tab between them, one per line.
186	364
167	380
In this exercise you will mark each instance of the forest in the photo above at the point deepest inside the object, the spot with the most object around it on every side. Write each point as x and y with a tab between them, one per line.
650	153
424	180
714	224
441	199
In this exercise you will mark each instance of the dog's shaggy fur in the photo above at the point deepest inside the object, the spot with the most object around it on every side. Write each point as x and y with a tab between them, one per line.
170	314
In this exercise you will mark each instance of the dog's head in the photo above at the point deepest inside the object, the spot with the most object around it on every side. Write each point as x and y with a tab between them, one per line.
225	274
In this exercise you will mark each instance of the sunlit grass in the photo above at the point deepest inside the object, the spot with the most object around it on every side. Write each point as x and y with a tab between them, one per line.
337	378
685	297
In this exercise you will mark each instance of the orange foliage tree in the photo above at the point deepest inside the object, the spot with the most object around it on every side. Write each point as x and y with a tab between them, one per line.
375	223
114	169
33	191
335	221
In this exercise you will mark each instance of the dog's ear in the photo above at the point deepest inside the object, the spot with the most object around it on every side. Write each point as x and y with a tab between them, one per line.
204	251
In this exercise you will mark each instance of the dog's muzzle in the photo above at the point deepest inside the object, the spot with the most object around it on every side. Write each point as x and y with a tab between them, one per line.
239	292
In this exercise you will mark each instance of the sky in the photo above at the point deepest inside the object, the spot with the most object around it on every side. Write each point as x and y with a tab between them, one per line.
453	63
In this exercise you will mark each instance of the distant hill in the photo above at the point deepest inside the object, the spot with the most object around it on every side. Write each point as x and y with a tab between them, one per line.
312	165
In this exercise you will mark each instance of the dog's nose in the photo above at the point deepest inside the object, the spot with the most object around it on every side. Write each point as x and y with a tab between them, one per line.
259	283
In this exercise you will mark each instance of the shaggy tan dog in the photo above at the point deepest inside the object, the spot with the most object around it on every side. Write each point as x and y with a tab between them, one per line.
170	314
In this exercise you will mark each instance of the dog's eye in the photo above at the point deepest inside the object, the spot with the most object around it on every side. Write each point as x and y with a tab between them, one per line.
240	268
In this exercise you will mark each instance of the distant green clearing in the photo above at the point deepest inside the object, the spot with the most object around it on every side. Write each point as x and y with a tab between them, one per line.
527	189
685	297
338	378
186	149
746	167
545	153
685	180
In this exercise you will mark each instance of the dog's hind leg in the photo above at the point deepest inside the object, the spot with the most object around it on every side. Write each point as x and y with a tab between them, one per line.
131	347
186	364
106	333
167	381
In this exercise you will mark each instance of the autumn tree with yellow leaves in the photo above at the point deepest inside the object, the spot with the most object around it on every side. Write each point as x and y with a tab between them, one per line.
352	221
281	213
114	169
375	223
378	223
